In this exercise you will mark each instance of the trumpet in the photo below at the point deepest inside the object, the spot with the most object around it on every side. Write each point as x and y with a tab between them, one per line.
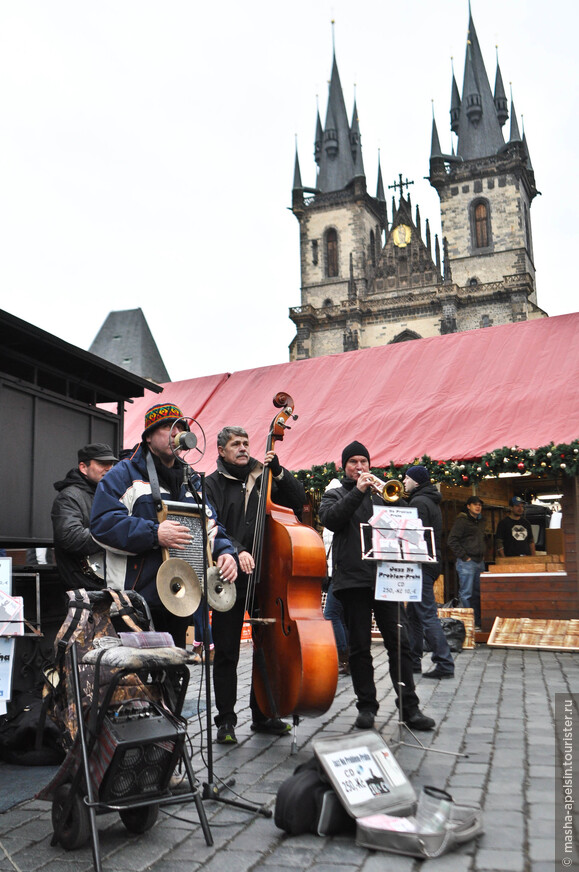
391	490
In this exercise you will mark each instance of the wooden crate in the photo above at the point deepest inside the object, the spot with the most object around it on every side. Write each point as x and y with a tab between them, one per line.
548	635
467	617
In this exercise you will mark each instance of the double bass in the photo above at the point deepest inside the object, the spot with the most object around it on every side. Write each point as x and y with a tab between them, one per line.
295	663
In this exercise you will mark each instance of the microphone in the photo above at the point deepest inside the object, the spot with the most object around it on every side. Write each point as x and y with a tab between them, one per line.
185	440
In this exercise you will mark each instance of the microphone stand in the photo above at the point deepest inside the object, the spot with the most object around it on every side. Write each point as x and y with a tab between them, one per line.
210	789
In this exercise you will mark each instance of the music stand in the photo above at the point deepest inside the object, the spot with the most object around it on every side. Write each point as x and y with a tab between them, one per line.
210	789
400	552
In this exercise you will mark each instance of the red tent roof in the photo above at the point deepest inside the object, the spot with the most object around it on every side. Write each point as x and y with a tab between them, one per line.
449	397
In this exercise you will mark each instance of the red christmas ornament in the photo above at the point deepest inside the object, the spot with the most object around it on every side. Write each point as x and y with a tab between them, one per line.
521	465
465	478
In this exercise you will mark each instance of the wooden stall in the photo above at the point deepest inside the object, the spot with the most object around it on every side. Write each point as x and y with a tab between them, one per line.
545	586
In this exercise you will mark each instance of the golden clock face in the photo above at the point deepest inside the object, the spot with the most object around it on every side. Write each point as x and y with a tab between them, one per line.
401	235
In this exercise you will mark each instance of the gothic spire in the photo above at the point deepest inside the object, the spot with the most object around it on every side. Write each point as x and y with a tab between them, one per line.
500	97
356	142
297	186
380	195
515	135
454	104
479	130
337	167
435	149
319	139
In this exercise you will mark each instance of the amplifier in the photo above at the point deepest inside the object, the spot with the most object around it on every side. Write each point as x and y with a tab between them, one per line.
138	747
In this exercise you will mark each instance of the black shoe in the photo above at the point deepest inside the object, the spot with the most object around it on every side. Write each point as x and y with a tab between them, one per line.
226	735
365	720
273	726
418	721
438	673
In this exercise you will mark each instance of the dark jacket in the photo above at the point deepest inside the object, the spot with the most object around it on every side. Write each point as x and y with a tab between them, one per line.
235	501
124	521
426	499
73	543
342	510
467	537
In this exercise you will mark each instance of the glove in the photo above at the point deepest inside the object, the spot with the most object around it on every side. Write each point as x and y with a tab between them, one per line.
275	466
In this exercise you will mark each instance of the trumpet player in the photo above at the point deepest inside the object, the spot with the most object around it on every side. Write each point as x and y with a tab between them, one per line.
423	616
342	510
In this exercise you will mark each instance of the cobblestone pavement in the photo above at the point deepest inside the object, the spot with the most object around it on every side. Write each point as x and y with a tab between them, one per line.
499	711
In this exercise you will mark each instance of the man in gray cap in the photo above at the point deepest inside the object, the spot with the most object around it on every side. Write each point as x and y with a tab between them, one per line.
343	510
78	559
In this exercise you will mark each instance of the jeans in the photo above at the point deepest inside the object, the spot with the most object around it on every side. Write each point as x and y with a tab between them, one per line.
358	604
199	624
334	612
469	585
423	623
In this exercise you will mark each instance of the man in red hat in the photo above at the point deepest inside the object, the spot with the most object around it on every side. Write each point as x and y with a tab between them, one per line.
125	522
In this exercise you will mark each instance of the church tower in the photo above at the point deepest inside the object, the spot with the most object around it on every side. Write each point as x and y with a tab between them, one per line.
365	282
486	187
341	228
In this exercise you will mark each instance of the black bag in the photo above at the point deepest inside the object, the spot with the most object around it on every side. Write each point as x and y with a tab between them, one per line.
27	736
455	633
306	803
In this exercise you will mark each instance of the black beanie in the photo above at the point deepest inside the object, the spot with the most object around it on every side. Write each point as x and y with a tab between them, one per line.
419	474
354	449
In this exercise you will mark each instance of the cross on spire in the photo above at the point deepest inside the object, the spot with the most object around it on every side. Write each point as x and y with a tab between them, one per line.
400	184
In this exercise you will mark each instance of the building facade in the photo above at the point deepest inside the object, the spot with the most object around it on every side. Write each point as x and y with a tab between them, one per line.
368	281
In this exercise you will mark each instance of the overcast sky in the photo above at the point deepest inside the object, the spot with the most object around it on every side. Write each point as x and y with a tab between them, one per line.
147	151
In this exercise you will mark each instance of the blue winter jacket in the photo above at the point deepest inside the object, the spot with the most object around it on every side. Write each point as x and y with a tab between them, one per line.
124	522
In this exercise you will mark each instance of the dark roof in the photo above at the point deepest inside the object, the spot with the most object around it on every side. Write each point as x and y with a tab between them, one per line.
32	355
125	339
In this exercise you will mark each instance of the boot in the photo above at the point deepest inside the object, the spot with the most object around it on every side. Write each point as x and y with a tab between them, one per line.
344	662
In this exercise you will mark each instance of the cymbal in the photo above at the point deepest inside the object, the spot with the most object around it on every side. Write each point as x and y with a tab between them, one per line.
178	587
221	595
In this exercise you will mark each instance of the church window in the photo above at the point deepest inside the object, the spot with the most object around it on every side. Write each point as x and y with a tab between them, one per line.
405	336
372	248
331	253
315	252
528	231
327	302
481	224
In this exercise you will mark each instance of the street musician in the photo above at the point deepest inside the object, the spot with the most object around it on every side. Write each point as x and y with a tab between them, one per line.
343	510
124	519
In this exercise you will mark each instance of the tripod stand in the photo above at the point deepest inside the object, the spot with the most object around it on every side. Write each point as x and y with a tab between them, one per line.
402	725
400	585
210	789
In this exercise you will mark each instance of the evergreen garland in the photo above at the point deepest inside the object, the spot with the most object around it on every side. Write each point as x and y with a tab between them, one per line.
548	462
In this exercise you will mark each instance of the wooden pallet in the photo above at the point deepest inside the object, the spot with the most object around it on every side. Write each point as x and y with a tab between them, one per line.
548	635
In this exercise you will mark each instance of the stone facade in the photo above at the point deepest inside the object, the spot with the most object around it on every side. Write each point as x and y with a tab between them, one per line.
368	282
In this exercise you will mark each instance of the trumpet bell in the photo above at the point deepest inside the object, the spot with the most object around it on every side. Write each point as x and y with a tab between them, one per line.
392	491
178	587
